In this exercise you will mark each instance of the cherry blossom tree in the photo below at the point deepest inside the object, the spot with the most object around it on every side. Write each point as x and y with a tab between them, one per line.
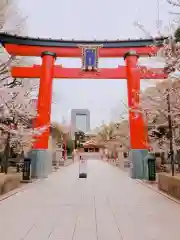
16	108
16	115
175	3
160	104
161	109
11	21
114	136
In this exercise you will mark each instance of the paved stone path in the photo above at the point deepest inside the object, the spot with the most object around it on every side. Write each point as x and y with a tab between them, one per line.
106	206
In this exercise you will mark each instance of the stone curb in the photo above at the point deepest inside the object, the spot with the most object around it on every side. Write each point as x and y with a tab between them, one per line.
152	188
28	185
159	192
19	189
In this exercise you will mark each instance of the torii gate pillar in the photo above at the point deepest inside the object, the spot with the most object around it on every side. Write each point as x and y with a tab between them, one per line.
40	155
138	133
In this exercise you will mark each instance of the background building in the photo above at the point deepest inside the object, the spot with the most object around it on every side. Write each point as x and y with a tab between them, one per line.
80	120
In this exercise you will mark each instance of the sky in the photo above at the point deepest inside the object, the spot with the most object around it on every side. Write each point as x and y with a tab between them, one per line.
95	19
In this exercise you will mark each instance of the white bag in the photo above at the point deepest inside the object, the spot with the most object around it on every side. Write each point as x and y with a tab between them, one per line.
82	167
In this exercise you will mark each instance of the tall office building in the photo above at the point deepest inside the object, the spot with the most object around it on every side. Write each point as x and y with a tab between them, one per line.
80	120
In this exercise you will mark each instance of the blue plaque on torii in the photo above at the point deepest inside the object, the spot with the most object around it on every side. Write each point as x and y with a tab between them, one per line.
90	55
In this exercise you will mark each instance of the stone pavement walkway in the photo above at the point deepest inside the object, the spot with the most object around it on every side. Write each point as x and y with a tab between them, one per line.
106	206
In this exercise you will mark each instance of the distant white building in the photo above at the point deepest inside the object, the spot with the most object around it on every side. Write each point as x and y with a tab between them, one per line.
80	120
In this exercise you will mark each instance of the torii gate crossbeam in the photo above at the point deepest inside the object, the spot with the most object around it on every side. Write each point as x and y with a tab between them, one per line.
74	73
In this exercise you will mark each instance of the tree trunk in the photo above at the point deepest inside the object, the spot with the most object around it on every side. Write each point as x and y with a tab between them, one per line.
6	154
170	133
1	162
178	159
2	165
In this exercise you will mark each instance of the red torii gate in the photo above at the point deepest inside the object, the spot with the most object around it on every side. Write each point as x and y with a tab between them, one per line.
49	49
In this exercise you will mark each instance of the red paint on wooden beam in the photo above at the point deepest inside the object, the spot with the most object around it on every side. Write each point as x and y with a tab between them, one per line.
22	50
60	72
44	101
103	73
26	72
138	135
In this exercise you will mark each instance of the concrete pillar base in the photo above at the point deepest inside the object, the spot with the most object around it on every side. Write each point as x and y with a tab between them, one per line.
137	163
41	163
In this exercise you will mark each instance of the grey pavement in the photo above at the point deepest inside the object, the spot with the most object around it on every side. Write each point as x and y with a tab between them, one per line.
108	205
